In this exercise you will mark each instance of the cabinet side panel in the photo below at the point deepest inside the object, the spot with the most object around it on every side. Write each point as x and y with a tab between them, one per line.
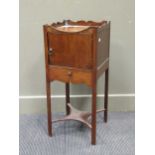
103	36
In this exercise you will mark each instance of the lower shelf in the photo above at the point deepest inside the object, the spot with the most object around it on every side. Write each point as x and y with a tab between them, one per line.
77	115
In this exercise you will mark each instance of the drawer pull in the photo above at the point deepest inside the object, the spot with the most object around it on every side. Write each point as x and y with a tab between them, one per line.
69	73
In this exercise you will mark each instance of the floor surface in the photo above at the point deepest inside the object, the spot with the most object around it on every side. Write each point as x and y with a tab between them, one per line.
72	138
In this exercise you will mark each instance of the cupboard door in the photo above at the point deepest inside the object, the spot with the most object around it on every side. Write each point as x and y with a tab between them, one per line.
72	50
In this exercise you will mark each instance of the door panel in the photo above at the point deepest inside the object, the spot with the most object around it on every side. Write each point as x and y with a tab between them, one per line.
72	50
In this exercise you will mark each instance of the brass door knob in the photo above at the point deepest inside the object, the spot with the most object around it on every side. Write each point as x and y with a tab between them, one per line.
51	51
99	40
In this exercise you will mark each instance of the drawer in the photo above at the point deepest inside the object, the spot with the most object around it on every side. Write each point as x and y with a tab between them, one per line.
67	74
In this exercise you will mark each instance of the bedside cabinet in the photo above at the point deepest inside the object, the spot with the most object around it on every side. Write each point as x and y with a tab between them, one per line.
78	53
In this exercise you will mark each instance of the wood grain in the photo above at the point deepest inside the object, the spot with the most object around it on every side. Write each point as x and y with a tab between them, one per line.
71	50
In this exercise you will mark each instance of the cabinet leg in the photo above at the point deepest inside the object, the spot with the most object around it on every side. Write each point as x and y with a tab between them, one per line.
49	115
106	95
67	98
93	131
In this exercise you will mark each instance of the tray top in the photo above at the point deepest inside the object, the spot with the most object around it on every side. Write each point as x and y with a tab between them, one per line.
72	26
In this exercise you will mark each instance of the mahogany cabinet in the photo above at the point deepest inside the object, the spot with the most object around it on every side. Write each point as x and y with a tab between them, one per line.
78	53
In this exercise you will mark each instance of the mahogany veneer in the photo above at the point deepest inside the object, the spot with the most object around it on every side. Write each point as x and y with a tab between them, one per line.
77	52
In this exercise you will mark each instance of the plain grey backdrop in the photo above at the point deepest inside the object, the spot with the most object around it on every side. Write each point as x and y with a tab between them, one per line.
35	13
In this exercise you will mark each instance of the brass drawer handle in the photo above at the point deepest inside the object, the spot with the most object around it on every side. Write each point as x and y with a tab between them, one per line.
50	52
69	73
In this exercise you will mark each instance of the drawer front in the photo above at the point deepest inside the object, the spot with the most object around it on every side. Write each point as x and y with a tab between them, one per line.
70	75
71	50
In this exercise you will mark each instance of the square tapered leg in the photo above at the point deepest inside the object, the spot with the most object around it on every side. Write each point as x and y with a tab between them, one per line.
49	115
93	130
106	95
67	98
